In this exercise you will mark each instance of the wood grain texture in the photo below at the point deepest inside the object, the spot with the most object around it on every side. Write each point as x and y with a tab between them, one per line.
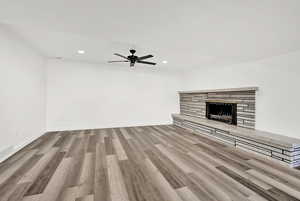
147	163
187	195
42	181
118	190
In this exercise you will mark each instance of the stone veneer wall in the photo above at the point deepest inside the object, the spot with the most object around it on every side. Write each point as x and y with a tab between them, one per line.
194	104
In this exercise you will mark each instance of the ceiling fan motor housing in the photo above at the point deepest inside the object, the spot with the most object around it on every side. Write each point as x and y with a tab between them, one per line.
132	51
134	59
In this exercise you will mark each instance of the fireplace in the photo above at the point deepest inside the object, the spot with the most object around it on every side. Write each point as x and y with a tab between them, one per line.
224	112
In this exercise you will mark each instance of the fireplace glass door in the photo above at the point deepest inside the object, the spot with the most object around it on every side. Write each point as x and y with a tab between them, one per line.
224	112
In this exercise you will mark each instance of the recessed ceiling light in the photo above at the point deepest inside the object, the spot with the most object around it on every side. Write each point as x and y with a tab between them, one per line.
164	62
80	51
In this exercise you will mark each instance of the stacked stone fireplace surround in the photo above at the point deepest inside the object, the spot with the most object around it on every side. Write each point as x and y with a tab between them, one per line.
282	149
194	104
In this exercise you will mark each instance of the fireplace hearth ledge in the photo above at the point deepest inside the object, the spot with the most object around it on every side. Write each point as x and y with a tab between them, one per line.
283	149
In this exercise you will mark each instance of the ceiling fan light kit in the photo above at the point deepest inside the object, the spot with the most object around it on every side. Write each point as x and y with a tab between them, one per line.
134	59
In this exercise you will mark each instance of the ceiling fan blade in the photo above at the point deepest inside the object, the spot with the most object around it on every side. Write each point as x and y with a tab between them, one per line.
116	61
131	64
146	62
145	57
120	55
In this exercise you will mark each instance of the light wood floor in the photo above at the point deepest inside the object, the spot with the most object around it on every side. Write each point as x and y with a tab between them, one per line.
153	163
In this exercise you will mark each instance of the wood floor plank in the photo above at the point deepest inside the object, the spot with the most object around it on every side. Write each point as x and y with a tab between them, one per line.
40	142
274	165
121	154
256	197
209	160
223	157
92	143
86	198
283	187
19	192
159	137
36	170
214	189
187	134
66	145
69	194
54	187
103	134
133	181
7	163
86	179
169	171
199	190
142	142
146	163
10	185
260	191
7	173
109	145
72	149
280	195
44	149
211	176
186	194
125	133
165	188
150	138
118	190
42	180
78	159
136	178
101	185
62	140
177	160
280	176
138	149
32	198
185	138
174	142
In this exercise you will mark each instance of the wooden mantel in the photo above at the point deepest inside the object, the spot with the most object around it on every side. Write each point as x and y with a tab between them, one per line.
220	90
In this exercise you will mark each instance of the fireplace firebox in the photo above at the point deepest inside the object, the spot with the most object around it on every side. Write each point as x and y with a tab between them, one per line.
224	112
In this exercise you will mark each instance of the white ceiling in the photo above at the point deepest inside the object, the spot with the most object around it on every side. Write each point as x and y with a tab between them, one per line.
189	34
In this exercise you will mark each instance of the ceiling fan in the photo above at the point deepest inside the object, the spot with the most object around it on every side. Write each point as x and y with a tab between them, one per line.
134	59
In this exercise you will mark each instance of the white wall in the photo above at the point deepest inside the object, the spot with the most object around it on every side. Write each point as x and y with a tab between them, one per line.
278	98
81	95
22	93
